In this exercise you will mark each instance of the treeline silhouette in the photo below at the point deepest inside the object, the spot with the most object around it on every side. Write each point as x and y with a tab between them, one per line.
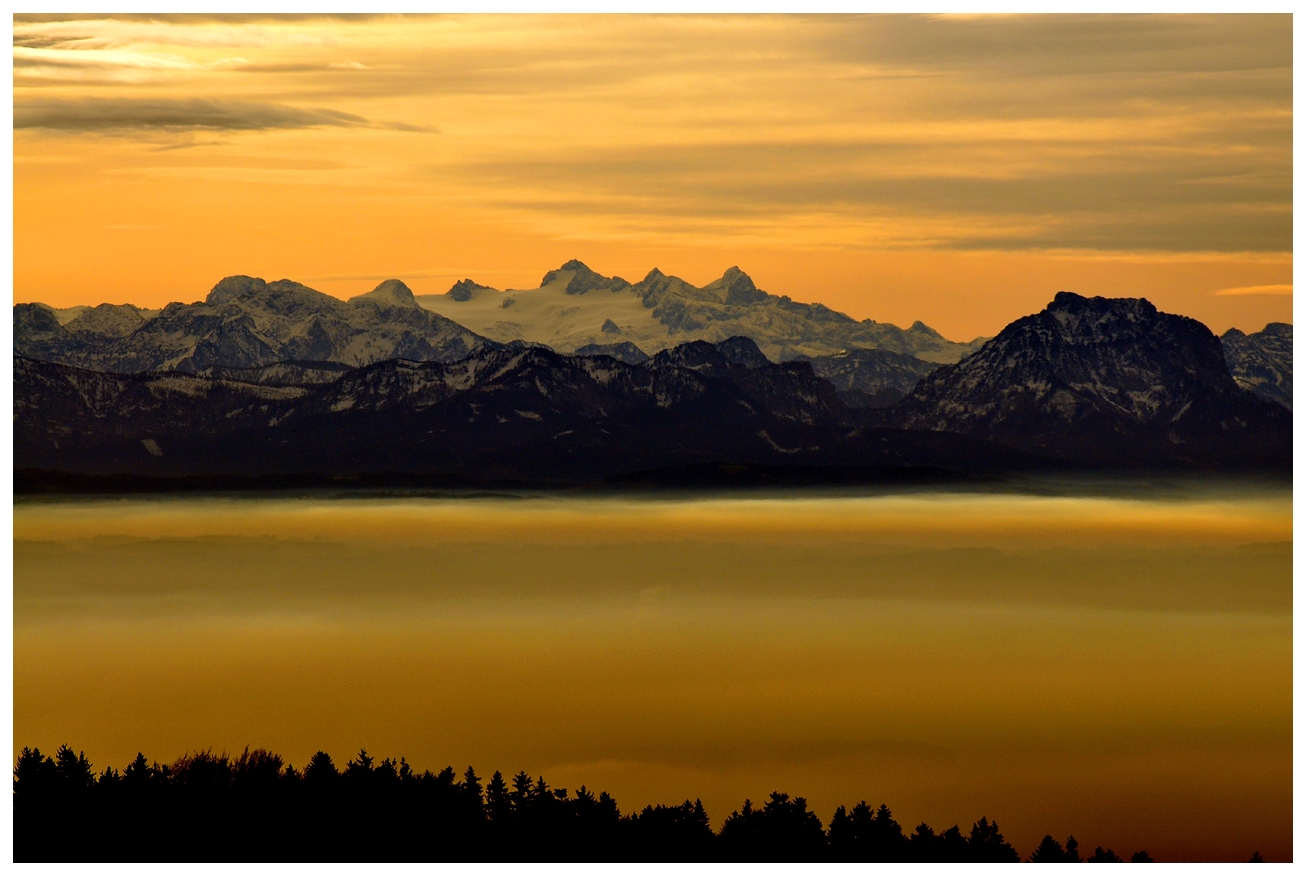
207	807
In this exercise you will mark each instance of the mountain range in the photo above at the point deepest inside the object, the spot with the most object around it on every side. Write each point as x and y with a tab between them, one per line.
245	323
277	379
575	306
523	415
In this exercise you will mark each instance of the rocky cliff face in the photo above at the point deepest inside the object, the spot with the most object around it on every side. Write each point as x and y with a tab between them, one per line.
247	323
1262	362
1101	379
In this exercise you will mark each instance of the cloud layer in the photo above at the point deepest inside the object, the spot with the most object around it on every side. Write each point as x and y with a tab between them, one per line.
1167	133
119	114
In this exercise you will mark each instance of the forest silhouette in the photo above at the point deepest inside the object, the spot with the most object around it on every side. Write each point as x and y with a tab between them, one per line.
207	807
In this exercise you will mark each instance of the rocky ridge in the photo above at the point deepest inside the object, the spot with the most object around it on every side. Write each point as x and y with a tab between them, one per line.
1262	361
527	413
247	323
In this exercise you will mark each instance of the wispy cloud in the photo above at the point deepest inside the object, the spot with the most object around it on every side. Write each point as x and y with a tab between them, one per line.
175	114
1275	289
418	274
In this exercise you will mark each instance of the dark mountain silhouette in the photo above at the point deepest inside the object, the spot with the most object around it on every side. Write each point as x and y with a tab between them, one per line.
525	414
207	807
299	373
1103	380
1262	361
623	351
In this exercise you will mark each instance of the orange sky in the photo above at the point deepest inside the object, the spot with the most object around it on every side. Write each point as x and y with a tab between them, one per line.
957	170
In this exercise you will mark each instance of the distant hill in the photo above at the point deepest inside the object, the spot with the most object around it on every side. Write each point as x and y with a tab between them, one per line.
576	307
1262	362
1102	380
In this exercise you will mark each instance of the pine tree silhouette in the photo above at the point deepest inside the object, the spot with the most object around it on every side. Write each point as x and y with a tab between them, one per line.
1104	856
207	806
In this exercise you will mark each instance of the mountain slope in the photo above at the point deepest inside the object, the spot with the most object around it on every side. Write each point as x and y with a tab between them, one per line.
1102	380
524	414
871	378
1262	362
575	307
60	407
247	323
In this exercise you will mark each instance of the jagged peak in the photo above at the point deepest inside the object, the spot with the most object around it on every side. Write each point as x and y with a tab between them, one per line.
392	292
579	269
652	275
738	287
1273	329
583	279
465	290
239	286
734	272
1072	302
233	287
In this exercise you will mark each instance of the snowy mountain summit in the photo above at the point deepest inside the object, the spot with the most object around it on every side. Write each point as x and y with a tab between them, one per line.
575	307
391	293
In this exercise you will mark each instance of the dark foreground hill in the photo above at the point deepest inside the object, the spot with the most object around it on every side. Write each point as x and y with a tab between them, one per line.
524	415
256	807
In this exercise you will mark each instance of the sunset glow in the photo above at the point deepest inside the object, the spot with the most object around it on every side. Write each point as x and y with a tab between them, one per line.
958	171
398	393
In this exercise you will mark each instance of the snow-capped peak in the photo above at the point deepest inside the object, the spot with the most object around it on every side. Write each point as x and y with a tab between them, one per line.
392	292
